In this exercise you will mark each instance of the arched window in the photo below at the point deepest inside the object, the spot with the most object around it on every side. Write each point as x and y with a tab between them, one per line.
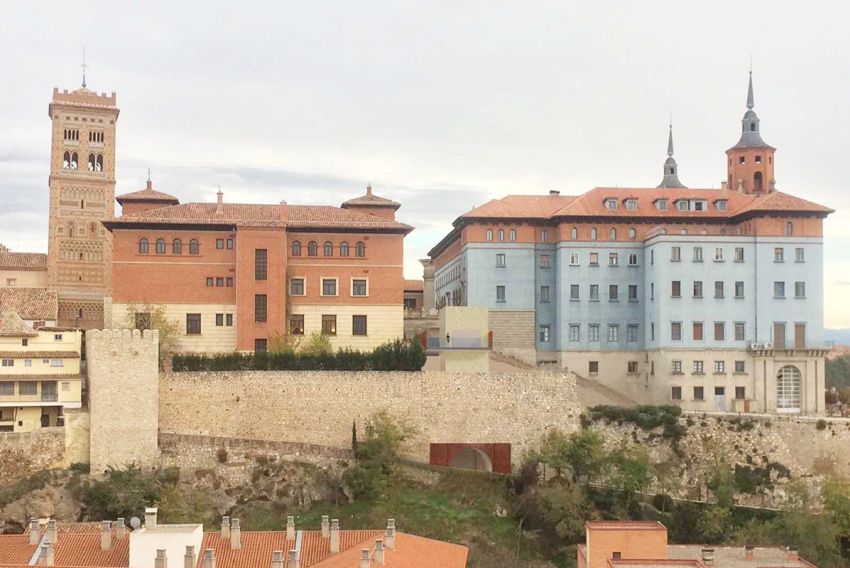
194	247
74	161
312	248
343	248
329	248
91	162
788	386
82	203
99	166
593	234
489	234
296	248
757	182
360	249
632	234
574	234
683	232
512	235
501	234
160	246
612	234
789	228
66	161
177	246
544	235
143	246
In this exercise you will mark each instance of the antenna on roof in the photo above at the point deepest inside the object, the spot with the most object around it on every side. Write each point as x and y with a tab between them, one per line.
84	66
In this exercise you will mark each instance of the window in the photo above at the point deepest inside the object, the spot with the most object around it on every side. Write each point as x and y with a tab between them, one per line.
574	292
7	389
652	331
718	254
652	257
697	331
676	289
543	333
632	333
343	248
25	342
779	289
296	287
612	234
261	345
544	261
28	388
544	235
719	331
260	308
740	367
779	254
683	205
593	367
632	367
219	320
489	234
230	244
359	287
500	293
574	234
740	393
610	204
697	288
260	264
613	293
210	281
788	386
219	244
799	255
799	289
675	254
360	249
512	234
633	292
575	331
633	259
613	333
699	368
720	204
613	259
312	248
501	234
500	260
739	289
661	204
632	234
219	282
676	331
631	204
593	234
194	247
739	254
177	246
11	282
296	248
296	324
699	393
593	332
676	367
143	246
718	288
193	324
329	325
329	287
676	393
594	292
358	325
739	331
697	254
328	248
57	337
652	291
720	367
789	229
594	259
544	294
574	259
160	246
229	281
8	362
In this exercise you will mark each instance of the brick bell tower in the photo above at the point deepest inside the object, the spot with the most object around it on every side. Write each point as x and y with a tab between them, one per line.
82	193
750	161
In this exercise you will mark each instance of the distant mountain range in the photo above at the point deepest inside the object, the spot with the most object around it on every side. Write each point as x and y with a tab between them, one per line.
839	336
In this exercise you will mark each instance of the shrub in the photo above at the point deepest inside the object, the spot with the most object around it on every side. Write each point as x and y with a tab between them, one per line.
821	424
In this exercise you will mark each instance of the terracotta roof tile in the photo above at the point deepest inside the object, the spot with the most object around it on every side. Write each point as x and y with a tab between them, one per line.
415	285
521	206
410	552
23	260
30	303
39	354
371	200
147	194
16	549
11	325
255	552
83	549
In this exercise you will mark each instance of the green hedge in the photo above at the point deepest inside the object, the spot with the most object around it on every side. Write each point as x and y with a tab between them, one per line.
393	356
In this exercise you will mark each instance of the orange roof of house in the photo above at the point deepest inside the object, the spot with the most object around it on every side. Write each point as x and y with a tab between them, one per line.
39	354
521	206
15	549
32	304
148	194
416	285
371	200
410	552
23	260
630	525
11	325
83	549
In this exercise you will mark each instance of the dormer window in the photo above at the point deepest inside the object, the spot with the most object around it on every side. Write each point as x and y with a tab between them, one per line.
683	205
631	204
661	205
720	204
700	206
611	204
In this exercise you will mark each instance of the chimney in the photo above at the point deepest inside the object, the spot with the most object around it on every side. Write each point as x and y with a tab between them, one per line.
209	558
379	552
105	535
389	540
51	535
277	559
708	556
235	534
334	536
326	526
290	528
724	184
120	527
793	555
748	552
554	192
365	560
740	184
292	561
219	197
150	518
225	527
46	558
189	558
35	535
160	561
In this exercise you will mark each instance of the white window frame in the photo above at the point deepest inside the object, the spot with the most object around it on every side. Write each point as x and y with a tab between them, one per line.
351	287
304	280
322	286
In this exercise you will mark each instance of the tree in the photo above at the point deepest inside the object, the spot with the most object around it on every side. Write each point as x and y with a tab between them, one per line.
721	481
283	343
581	454
317	344
153	316
837	371
631	471
378	455
563	508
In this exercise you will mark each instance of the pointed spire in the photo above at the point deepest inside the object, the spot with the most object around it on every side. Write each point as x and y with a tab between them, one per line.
750	135
670	141
150	183
671	168
750	101
84	66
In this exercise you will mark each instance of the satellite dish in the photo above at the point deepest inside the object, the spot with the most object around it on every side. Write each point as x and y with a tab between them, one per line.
135	523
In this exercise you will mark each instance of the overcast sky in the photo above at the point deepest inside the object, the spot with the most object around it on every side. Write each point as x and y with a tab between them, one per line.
441	105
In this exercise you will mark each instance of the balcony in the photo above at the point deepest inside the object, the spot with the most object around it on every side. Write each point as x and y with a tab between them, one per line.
49	397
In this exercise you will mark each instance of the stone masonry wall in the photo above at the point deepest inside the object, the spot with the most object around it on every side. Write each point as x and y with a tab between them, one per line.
319	407
24	453
123	391
514	334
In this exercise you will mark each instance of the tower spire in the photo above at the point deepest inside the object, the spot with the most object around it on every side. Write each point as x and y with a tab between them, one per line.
670	141
750	102
671	168
84	66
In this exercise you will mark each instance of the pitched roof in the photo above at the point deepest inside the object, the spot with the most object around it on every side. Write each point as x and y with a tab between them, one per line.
32	304
410	552
149	195
23	260
371	200
520	207
11	325
39	354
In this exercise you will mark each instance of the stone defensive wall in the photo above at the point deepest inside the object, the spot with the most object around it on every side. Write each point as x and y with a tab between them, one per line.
320	407
24	453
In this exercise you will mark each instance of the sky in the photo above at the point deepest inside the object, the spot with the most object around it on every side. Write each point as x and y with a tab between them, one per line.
442	106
